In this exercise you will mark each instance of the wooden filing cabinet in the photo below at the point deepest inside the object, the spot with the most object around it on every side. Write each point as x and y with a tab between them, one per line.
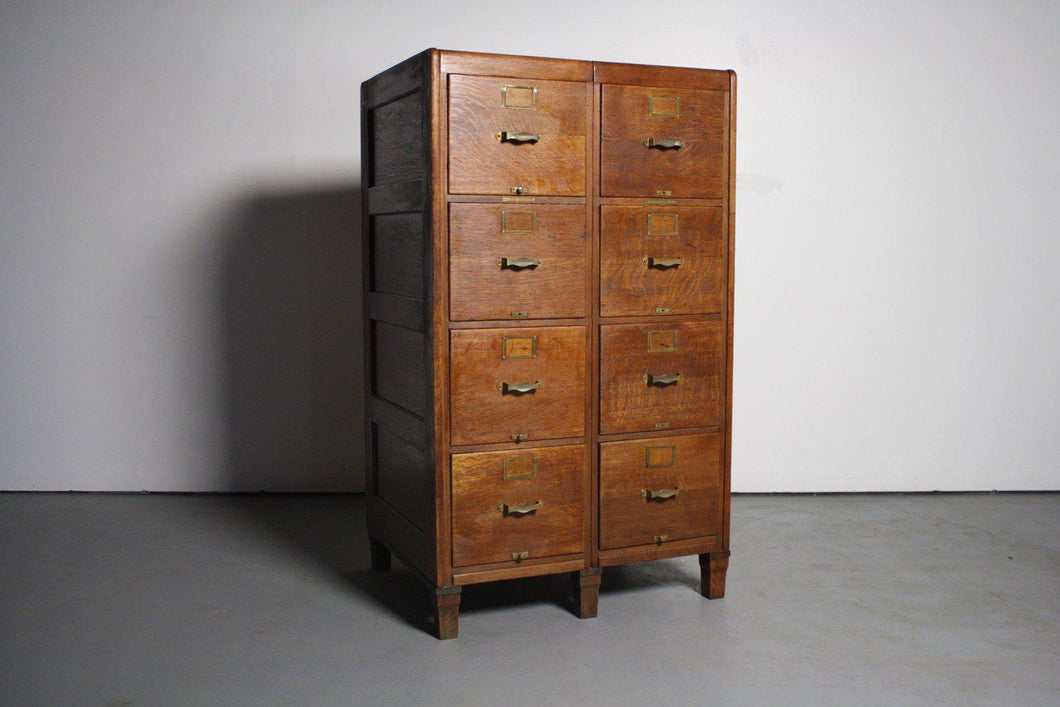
548	270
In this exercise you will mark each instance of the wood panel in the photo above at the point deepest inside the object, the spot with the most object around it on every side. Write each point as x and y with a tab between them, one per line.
689	467
526	67
485	360
398	152
396	260
402	478
631	284
508	503
481	108
634	356
482	287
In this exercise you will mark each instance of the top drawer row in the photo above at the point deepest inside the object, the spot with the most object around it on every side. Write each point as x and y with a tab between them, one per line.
513	136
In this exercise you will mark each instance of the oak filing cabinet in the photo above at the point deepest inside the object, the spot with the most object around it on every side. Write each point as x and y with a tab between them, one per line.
548	254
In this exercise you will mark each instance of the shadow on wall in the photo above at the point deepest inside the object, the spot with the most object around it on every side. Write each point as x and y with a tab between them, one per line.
292	319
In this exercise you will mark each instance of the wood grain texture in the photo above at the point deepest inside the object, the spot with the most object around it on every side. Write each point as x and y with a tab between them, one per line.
482	413
630	404
629	168
587	592
690	464
396	256
479	163
398	152
446	605
713	567
629	234
483	532
670	76
525	67
481	234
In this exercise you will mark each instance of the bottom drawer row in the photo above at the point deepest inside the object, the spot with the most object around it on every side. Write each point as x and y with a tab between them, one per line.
524	504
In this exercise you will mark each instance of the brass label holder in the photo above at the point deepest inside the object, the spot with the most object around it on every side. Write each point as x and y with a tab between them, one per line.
514	222
519	97
651	461
662	224
664	106
520	468
662	341
519	347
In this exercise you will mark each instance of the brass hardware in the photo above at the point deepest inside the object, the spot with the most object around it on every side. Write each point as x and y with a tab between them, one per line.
663	310
662	224
509	219
655	202
665	379
660	539
515	347
661	106
663	192
662	341
662	425
520	468
519	263
661	494
520	437
519	387
505	136
670	461
517	189
519	556
524	97
519	315
663	143
653	262
510	510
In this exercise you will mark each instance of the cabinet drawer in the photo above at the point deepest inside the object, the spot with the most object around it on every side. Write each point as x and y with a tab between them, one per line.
517	136
509	503
654	491
631	166
661	376
517	384
525	261
661	260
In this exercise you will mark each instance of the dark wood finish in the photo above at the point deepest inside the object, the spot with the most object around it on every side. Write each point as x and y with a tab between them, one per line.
380	555
630	168
629	403
480	163
691	465
481	234
587	592
482	412
433	310
631	286
492	492
712	567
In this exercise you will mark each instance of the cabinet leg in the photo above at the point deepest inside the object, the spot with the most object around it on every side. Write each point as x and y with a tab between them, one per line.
380	555
587	592
446	612
712	567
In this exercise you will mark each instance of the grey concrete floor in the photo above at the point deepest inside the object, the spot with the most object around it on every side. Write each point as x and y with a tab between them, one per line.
262	600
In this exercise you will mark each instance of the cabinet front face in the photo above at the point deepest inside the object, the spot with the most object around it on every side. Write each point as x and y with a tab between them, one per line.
663	142
662	260
661	376
524	261
518	505
655	491
517	136
517	385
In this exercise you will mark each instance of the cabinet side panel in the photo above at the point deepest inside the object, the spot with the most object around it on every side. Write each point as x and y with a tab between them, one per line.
395	170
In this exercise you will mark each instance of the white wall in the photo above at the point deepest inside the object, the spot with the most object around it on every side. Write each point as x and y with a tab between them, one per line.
179	181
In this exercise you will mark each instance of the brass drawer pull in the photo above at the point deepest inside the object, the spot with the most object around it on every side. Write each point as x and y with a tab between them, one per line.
505	136
518	263
663	143
510	510
524	387
520	556
653	262
660	539
665	379
520	437
661	494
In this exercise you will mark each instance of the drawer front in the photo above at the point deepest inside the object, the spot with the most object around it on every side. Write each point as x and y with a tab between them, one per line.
518	384
517	136
516	261
653	491
509	503
633	115
661	260
661	376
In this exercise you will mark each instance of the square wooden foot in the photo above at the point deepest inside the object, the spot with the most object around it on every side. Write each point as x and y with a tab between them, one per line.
446	612
586	592
380	555
712	567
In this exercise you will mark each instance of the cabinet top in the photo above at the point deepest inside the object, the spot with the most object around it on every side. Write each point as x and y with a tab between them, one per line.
475	63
